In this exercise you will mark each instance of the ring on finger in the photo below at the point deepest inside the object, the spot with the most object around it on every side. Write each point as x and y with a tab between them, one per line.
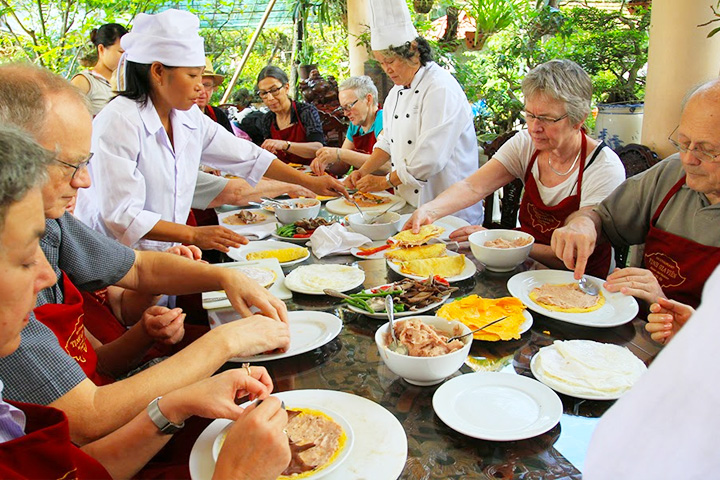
246	366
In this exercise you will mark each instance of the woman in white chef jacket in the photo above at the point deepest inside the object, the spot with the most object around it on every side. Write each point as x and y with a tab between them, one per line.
428	135
148	143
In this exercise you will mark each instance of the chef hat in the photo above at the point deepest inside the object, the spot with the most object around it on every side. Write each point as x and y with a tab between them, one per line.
170	37
390	24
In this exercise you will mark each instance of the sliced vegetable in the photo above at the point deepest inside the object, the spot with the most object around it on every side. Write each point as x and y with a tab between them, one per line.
370	251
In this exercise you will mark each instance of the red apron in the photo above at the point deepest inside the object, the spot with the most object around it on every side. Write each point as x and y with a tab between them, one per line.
293	133
67	323
540	221
365	143
46	450
680	265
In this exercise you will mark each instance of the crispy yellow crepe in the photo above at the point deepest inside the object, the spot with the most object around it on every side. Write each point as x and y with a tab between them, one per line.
417	253
443	266
407	238
475	311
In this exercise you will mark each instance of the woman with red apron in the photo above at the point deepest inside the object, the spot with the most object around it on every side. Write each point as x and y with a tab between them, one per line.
681	266
540	220
295	133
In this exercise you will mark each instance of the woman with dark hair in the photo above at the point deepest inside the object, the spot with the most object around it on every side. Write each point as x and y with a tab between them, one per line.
95	83
150	140
292	130
428	134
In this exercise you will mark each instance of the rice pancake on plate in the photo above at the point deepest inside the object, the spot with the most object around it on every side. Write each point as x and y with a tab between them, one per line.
475	311
566	297
443	266
264	276
407	238
417	253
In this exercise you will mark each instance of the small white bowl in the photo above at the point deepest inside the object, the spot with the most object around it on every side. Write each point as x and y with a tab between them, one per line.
383	228
300	208
500	259
424	371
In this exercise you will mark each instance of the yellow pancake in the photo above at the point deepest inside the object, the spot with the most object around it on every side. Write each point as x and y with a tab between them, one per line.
475	311
409	239
443	266
417	253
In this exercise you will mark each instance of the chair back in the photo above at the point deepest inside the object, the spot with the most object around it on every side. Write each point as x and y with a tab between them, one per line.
511	193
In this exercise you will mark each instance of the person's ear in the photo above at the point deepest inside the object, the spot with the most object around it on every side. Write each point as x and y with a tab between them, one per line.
101	50
157	70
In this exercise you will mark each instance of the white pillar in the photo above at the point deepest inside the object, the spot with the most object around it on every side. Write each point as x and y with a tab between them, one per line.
357	23
680	57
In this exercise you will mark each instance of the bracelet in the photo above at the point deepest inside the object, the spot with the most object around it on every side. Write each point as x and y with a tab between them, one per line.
337	154
287	147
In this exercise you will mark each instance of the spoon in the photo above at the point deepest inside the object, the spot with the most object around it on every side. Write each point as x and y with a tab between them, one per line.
374	218
336	294
588	287
476	330
362	214
395	346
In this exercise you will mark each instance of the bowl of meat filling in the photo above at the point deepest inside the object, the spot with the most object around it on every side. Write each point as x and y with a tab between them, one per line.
291	211
501	250
423	355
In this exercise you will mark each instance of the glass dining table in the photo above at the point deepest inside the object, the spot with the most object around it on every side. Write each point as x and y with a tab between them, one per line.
351	363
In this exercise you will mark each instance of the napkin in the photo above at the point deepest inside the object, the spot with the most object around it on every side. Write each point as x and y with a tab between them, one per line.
254	231
335	239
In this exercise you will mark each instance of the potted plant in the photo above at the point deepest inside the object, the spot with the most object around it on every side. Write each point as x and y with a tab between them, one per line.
490	16
423	6
306	60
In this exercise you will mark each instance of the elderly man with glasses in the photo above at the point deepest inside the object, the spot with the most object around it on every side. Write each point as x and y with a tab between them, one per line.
674	208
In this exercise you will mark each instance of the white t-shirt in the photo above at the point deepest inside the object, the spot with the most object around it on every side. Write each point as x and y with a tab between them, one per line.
599	179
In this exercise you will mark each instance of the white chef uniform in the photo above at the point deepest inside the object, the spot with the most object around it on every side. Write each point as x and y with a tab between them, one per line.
428	132
139	179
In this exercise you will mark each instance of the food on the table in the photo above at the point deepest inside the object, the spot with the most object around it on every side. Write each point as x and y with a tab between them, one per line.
302	228
407	238
314	279
322	198
295	206
475	311
366	252
449	266
587	368
264	276
282	254
417	253
365	199
408	295
566	297
244	217
315	441
424	340
515	243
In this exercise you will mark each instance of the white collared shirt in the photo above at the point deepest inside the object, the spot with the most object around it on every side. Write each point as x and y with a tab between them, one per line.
428	132
138	178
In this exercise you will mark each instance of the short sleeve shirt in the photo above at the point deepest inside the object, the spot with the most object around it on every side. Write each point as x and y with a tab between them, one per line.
376	127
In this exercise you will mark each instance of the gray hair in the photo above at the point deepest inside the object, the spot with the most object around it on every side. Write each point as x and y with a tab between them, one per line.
704	88
23	166
25	94
563	80
361	85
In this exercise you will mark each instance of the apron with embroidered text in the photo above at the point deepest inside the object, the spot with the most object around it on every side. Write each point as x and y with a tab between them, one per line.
293	133
66	320
46	450
540	220
680	265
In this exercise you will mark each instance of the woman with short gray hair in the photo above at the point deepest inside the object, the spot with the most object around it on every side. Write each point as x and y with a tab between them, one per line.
563	169
358	101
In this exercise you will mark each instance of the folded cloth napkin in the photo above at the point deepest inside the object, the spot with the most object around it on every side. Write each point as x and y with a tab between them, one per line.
254	231
335	239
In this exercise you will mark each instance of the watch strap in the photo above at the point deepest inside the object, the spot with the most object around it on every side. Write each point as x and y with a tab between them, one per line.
160	420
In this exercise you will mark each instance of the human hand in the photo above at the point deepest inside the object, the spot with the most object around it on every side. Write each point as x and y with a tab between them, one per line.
256	446
256	334
215	397
462	234
164	325
297	191
324	157
666	318
188	251
421	216
274	146
638	282
372	183
574	243
244	292
352	179
327	185
216	237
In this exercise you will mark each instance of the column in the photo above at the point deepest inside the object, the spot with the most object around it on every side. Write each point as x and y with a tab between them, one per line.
357	24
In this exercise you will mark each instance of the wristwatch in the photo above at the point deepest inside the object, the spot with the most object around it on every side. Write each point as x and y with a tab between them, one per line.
161	421
389	182
287	146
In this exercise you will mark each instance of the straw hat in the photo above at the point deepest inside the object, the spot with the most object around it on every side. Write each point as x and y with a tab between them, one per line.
210	72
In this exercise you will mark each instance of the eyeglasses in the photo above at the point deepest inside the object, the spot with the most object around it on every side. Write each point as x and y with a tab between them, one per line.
349	106
273	91
76	167
541	119
701	155
208	87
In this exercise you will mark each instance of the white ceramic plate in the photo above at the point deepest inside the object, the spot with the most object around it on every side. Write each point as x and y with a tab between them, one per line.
338	277
496	406
384	315
337	418
240	253
617	310
380	444
538	374
340	207
298	241
269	218
467	272
308	330
375	256
449	223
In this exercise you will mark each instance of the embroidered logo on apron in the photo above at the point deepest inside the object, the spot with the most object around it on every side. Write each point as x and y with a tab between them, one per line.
76	345
543	221
665	269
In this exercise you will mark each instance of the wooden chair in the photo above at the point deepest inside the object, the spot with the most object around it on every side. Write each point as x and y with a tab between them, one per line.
512	192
